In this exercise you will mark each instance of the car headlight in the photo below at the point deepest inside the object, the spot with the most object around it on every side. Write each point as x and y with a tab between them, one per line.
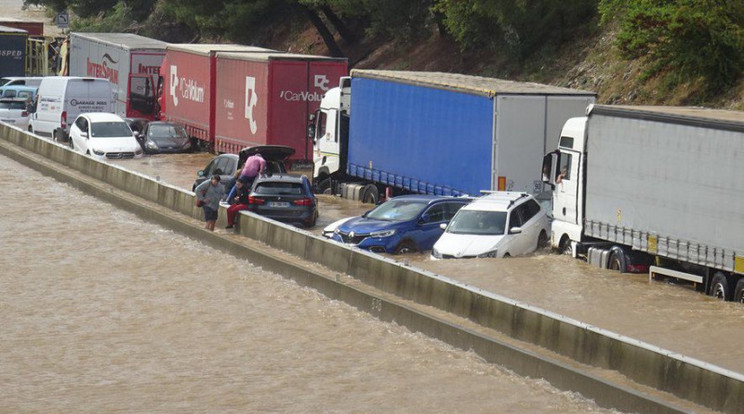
382	233
491	254
435	253
98	152
151	145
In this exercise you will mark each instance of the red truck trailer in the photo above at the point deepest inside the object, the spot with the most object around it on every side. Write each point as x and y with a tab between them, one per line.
188	87
266	98
33	28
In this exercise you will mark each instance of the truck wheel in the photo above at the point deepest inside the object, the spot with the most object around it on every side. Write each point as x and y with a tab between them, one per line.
720	287
565	247
406	246
617	260
739	291
370	194
324	186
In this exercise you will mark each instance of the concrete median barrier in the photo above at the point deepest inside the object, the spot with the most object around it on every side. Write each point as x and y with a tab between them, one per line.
402	288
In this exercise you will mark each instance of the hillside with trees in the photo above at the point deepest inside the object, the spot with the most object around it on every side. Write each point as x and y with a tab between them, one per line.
675	52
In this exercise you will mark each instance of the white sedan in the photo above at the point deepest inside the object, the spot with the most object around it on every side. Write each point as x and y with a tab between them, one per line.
500	224
103	135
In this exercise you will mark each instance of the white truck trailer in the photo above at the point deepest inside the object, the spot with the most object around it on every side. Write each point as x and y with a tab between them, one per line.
657	189
129	61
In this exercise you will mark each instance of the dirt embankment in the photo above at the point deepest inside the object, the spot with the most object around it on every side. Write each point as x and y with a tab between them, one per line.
589	62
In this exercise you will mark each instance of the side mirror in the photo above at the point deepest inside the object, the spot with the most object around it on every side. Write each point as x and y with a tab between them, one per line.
443	226
200	173
515	230
84	134
550	167
425	218
311	131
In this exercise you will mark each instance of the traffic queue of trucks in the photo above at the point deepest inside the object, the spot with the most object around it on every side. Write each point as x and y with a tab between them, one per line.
653	189
637	189
227	96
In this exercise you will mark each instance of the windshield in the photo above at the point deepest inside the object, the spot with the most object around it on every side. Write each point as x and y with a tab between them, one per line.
478	222
397	210
110	129
166	131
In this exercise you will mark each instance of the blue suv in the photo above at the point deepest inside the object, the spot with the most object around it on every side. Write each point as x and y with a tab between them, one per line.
402	224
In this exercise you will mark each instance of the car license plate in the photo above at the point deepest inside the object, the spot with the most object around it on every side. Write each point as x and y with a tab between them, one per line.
278	204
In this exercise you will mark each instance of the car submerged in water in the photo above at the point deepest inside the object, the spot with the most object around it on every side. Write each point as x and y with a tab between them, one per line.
501	224
409	223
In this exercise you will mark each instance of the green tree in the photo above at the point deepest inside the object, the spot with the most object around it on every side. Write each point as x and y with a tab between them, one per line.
519	27
684	39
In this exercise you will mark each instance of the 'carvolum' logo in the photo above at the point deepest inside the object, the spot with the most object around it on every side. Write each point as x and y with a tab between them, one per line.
304	96
188	89
251	99
321	81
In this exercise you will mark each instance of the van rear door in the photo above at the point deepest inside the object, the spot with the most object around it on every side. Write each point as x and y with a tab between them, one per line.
88	95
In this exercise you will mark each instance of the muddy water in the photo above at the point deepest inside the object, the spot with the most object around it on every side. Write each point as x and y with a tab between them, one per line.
669	316
103	312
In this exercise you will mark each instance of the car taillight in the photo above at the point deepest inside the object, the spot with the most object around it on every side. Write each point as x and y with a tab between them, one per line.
63	120
24	113
303	202
256	200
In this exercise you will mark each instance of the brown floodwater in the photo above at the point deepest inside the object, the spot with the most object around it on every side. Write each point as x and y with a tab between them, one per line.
104	312
660	313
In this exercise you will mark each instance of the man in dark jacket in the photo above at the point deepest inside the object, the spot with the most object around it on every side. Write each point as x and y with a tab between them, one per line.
238	202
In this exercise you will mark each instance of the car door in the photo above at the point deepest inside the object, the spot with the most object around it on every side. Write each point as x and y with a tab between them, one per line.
431	220
512	244
530	230
79	133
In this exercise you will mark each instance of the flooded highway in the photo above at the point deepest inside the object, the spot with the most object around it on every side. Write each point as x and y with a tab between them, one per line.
104	312
660	313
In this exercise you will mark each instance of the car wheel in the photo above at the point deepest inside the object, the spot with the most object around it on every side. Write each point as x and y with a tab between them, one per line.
370	194
720	288
739	291
542	240
406	246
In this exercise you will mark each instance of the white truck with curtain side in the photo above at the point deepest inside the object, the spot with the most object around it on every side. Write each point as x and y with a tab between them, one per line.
653	189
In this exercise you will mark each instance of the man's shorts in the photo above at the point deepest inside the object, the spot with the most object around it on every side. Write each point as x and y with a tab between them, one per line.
209	214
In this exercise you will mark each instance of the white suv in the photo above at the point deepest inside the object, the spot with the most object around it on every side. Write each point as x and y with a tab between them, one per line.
500	224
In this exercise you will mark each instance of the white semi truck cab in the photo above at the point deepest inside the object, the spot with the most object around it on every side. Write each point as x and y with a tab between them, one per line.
330	133
654	190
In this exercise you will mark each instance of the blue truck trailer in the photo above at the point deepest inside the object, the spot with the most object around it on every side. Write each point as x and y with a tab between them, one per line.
392	132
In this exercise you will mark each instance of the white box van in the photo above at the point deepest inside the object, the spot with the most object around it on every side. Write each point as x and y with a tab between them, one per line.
60	99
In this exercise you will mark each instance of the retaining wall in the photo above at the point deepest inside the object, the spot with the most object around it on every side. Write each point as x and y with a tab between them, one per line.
689	379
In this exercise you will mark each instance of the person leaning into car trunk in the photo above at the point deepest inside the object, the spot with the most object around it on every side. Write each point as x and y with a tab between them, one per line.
239	201
254	165
208	196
